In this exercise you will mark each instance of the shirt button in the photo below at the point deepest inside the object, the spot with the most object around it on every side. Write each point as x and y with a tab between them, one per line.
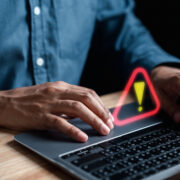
37	10
40	61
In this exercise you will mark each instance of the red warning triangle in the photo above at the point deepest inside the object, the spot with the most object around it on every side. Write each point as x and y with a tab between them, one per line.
122	122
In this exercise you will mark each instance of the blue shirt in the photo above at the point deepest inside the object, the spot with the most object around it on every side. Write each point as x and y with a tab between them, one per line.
49	40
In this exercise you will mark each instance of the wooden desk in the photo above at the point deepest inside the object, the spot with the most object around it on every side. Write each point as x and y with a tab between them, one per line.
19	163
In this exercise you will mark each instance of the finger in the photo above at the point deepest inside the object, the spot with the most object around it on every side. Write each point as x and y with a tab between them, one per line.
78	109
66	128
69	86
86	90
64	116
94	94
88	100
169	106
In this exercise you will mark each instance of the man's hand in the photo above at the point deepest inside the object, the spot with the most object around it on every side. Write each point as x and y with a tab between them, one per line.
167	83
46	106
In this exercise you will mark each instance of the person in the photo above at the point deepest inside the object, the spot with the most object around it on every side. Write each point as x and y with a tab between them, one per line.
43	48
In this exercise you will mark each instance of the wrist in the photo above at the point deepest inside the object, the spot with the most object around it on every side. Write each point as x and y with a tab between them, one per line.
156	70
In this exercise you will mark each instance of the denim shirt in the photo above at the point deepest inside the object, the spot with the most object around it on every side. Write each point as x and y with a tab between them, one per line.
49	40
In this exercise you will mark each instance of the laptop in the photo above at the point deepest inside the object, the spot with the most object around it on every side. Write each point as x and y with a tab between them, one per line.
145	149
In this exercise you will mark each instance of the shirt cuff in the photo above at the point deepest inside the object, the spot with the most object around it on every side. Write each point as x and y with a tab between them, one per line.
150	63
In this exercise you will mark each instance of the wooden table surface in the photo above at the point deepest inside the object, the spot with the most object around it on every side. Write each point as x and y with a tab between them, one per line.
19	163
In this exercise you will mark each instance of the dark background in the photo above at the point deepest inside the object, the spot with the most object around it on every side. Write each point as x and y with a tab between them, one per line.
162	18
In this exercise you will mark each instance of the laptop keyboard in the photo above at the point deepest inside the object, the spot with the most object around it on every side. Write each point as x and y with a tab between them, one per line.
133	156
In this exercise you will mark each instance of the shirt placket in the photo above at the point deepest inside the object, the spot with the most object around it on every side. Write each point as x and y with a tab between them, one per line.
37	50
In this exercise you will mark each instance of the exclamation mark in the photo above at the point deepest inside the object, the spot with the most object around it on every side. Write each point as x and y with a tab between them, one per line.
139	88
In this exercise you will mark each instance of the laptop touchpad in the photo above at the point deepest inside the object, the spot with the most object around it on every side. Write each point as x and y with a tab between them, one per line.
53	143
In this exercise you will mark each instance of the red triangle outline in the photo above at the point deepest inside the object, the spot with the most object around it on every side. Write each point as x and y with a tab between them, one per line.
122	122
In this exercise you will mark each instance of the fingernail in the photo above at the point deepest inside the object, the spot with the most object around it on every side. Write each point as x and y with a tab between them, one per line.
110	124
177	117
111	116
82	136
104	129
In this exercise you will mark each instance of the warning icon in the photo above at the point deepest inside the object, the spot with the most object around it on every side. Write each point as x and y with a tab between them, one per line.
141	86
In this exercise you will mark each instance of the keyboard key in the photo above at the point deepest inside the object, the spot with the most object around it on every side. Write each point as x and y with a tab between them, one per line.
133	156
94	165
87	159
119	175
